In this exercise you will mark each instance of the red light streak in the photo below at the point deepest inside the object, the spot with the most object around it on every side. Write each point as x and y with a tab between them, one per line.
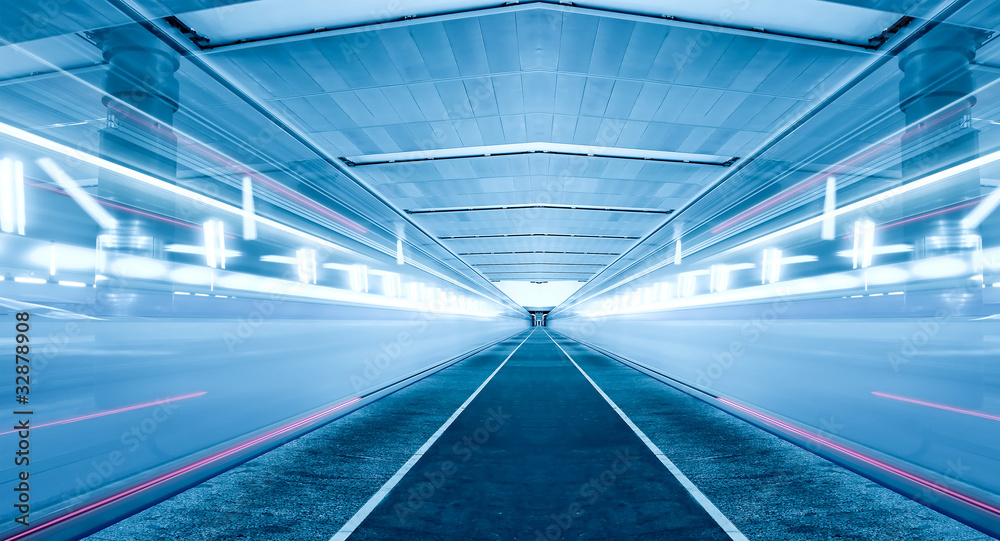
182	471
112	412
864	458
937	406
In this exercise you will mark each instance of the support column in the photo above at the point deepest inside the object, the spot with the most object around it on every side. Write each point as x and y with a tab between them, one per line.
936	99
141	99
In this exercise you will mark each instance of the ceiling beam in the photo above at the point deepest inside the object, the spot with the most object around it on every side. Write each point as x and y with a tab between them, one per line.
539	252
521	149
530	206
871	47
515	235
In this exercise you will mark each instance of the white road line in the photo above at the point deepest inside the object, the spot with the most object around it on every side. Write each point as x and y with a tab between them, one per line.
697	494
372	503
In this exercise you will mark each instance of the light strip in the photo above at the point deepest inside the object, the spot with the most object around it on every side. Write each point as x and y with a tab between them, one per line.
881	197
29	280
71	284
27	137
857	205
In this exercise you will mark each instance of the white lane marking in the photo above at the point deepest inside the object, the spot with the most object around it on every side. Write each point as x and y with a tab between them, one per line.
733	532
372	503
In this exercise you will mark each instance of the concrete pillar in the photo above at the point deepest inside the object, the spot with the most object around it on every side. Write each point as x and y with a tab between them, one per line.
141	99
936	101
141	74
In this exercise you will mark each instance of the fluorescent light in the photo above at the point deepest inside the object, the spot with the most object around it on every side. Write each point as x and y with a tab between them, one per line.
19	196
209	230
222	244
195	250
771	266
201	294
685	284
28	280
181	293
399	252
882	197
28	137
896	293
7	195
78	155
391	285
720	278
71	284
306	264
280	259
249	223
864	243
82	198
791	260
829	210
677	252
359	278
881	250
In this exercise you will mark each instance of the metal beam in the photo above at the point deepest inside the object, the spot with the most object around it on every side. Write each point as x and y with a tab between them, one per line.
560	235
530	206
871	47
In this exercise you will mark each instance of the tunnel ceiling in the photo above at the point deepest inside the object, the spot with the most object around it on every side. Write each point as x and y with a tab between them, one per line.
537	141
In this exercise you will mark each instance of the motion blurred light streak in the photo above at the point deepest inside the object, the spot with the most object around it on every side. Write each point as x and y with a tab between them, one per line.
112	412
864	458
154	182
176	473
82	198
937	406
981	212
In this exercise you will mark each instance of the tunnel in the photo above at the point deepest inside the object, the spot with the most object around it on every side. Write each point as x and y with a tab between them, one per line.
452	270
